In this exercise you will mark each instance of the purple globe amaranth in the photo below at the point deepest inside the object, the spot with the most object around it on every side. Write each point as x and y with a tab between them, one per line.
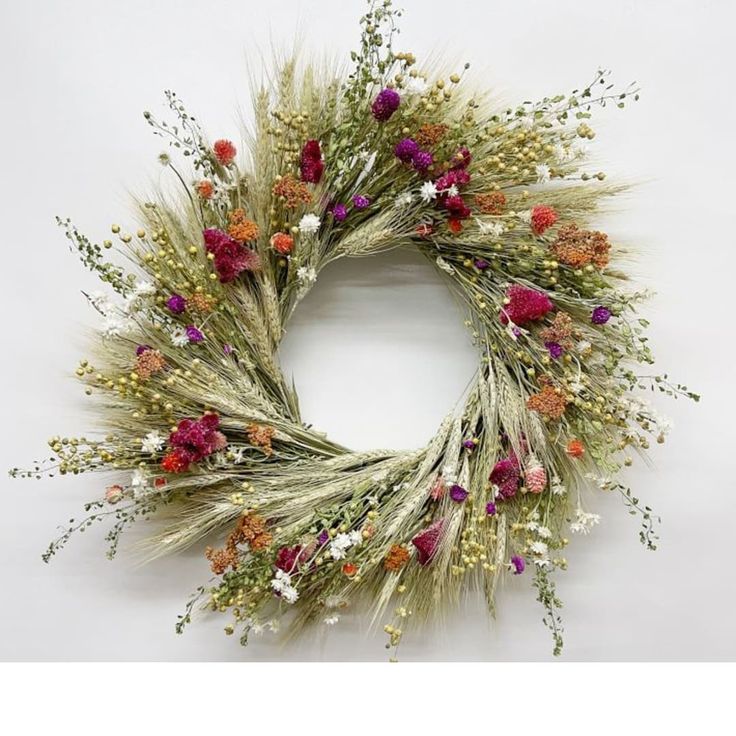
554	348
339	212
458	493
194	334
519	564
490	508
422	160
406	149
385	105
176	303
481	264
360	201
600	315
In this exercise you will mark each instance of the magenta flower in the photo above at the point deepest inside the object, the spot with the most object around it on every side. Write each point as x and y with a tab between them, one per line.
422	160
554	348
490	508
142	349
339	212
600	316
385	105
227	348
458	493
195	439
194	334
525	305
360	201
505	475
405	149
428	541
176	303
481	264
519	564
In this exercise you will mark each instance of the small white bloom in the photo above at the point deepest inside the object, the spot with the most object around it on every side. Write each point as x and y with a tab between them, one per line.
494	228
576	387
542	561
355	537
152	442
543	173
331	620
583	346
405	199
309	224
179	337
290	594
584	522
138	483
452	191
306	274
544	532
525	216
339	546
557	488
428	191
115	326
444	265
416	85
539	548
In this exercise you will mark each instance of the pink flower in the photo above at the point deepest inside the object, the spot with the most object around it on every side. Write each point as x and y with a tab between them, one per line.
195	439
505	475
525	305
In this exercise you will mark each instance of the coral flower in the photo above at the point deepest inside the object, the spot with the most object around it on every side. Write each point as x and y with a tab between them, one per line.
349	569
396	558
543	217
282	243
205	189
175	462
224	151
575	448
455	226
492	203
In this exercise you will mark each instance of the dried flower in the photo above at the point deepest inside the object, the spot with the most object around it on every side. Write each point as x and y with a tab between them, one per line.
543	217
575	448
205	189
309	224
385	105
490	508
282	243
241	228
224	151
311	164
559	332
194	334
525	305
518	564
493	203
292	192
422	160
550	402
405	150
231	257
339	212
428	541
458	493
261	436
148	363
176	303
577	248
505	476
431	133
113	494
201	302
361	202
396	558
600	316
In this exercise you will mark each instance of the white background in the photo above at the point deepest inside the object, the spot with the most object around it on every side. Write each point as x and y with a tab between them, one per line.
378	350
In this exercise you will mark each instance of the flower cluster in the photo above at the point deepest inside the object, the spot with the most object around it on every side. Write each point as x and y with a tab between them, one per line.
193	441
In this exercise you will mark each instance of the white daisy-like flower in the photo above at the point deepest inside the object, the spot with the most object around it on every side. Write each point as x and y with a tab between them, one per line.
139	483
281	584
557	488
115	326
179	337
543	173
525	216
542	561
544	532
584	522
355	537
416	85
339	546
331	620
576	387
309	224
539	548
152	442
428	191
306	274
452	191
583	346
494	228
405	199
290	594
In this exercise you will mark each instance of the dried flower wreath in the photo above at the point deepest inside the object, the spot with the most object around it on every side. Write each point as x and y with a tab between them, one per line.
203	428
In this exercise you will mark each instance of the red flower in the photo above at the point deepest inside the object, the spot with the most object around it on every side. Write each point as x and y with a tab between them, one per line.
175	462
428	541
575	448
505	475
231	257
205	189
224	151
288	558
525	305
349	569
455	225
542	218
311	163
457	208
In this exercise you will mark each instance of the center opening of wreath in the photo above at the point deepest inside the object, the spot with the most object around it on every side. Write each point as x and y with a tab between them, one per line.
378	351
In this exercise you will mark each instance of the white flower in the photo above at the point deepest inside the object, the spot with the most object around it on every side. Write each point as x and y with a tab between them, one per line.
543	173
452	191
525	216
355	537
544	532
290	594
306	274
115	326
584	522
557	488
309	224
416	85
542	561
490	227
281	584
563	153
405	199
145	288
179	337
583	346
331	620
539	548
576	387
339	546
139	483
131	303
152	442
428	191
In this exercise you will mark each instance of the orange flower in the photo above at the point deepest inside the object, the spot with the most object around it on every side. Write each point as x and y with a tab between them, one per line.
493	203
224	151
550	402
205	189
241	228
575	448
201	302
430	134
148	363
349	569
292	191
396	558
261	435
456	226
282	243
577	248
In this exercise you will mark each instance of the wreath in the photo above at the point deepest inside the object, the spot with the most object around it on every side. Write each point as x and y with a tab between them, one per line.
204	432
